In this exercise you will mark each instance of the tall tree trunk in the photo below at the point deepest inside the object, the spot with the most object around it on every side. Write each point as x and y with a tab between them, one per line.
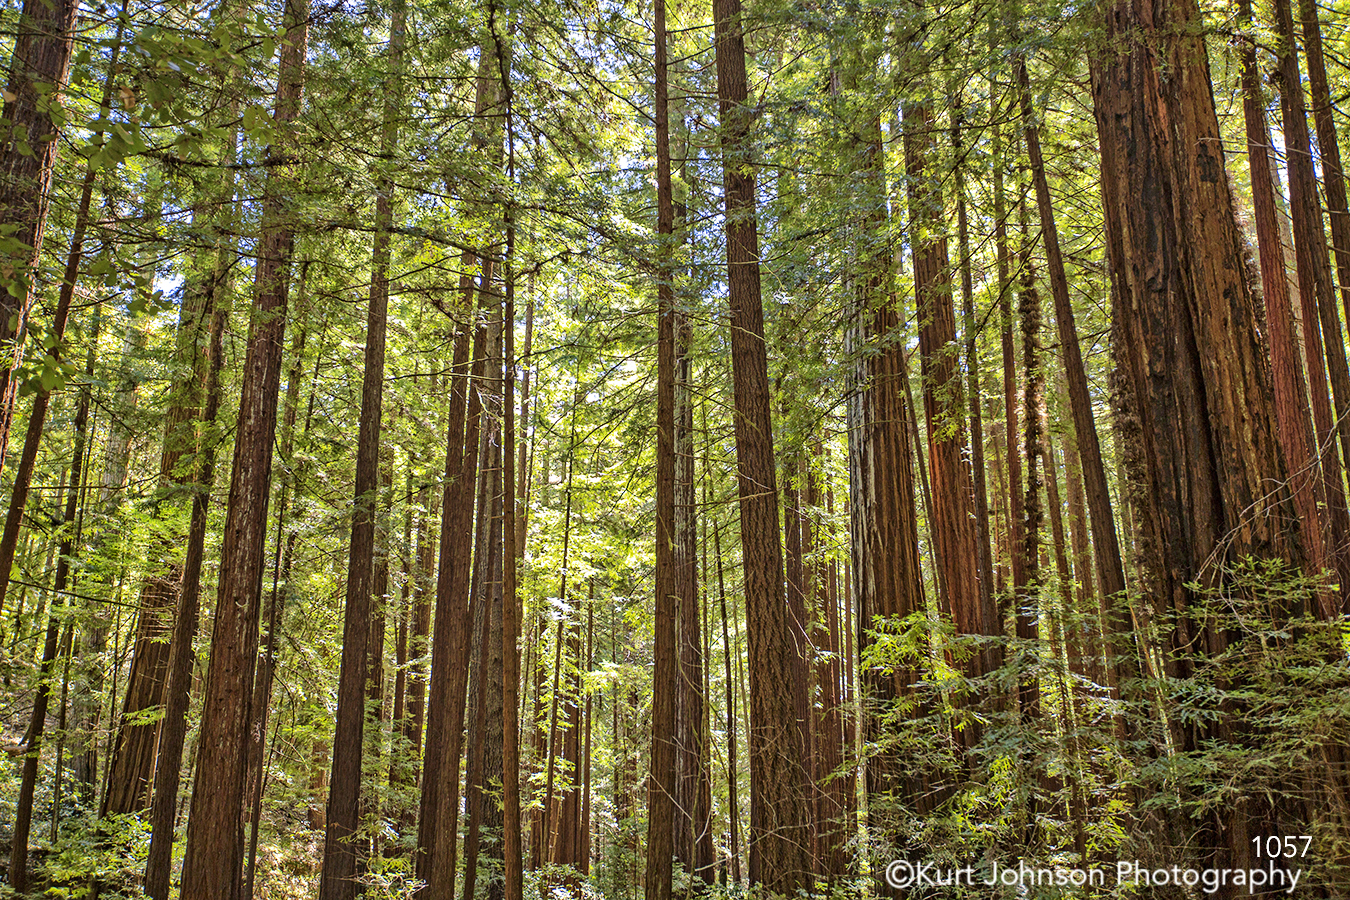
437	823
340	853
1328	145
974	392
512	550
255	769
32	741
1321	324
662	782
778	829
1028	590
41	57
1193	385
211	863
1291	408
28	147
956	552
886	571
1105	542
182	658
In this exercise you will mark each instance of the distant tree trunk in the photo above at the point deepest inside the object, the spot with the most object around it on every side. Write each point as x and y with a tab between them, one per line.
778	829
340	851
1028	590
28	146
178	690
211	863
1291	408
693	785
831	834
32	741
1317	296
974	398
1016	524
733	788
1105	542
117	452
956	552
886	570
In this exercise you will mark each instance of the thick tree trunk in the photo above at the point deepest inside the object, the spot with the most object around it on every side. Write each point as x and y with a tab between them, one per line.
778	806
28	146
1194	386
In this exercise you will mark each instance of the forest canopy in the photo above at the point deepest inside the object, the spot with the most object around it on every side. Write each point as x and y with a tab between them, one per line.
587	449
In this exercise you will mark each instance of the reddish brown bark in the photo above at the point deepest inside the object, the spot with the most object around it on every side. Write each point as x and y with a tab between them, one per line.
211	864
28	145
1105	542
778	805
1193	384
1321	324
953	488
1291	409
665	661
340	850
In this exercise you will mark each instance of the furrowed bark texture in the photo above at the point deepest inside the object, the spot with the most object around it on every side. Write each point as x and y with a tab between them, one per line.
778	813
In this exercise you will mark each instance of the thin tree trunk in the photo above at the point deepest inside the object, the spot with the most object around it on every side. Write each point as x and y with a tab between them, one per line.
340	852
1291	409
32	741
733	775
1106	544
512	550
182	658
438	820
212	860
662	782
